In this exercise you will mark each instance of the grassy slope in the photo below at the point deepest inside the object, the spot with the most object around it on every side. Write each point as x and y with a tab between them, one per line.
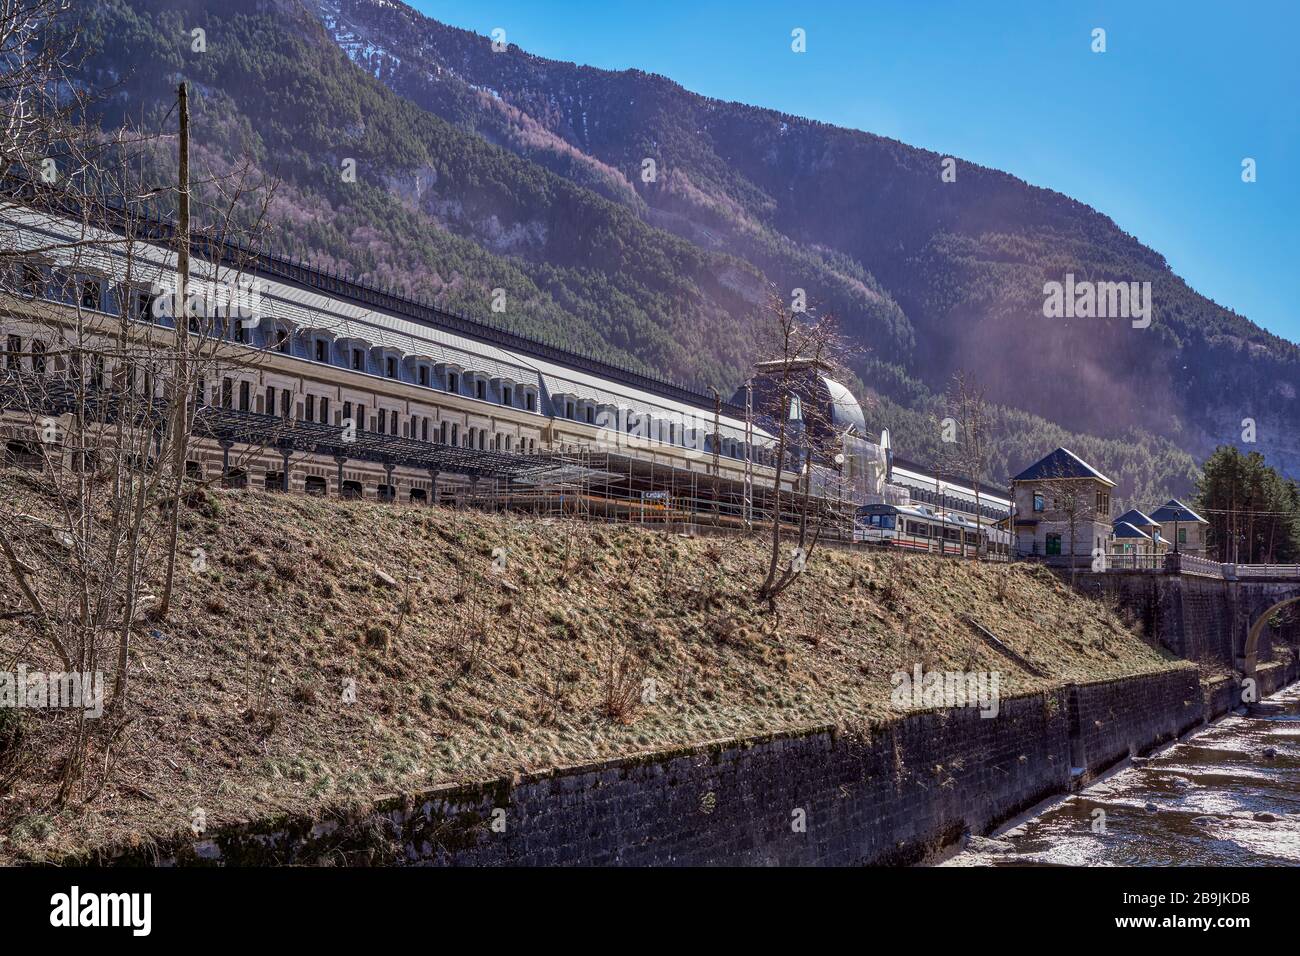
239	705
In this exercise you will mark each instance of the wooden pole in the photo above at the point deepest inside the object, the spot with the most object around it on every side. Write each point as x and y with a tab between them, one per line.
181	377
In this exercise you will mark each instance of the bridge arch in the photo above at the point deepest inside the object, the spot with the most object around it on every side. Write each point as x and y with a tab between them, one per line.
1251	651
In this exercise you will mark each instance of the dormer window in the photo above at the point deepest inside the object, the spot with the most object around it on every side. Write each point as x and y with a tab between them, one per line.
32	281
322	350
143	305
91	291
529	401
358	360
505	395
480	389
453	384
390	367
424	375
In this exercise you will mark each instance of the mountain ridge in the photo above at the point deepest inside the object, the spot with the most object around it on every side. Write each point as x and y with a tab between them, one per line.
528	179
462	53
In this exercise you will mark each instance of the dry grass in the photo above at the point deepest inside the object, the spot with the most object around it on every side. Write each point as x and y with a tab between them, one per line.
463	671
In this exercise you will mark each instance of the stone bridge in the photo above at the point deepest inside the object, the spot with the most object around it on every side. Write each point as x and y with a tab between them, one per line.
1231	616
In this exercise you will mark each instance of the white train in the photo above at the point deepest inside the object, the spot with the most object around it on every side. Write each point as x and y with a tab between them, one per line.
919	528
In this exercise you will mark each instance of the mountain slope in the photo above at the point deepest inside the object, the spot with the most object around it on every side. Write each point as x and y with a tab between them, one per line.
439	212
842	212
479	171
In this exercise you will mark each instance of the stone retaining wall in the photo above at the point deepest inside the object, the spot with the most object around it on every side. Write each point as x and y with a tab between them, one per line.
888	794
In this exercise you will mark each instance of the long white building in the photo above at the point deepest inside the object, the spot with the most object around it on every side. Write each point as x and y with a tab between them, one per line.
307	359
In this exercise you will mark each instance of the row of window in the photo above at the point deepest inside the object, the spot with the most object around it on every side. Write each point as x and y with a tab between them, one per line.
97	293
644	426
235	394
953	502
1101	503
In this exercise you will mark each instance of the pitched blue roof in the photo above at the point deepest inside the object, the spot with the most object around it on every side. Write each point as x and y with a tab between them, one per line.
1061	463
1125	530
1175	510
1136	518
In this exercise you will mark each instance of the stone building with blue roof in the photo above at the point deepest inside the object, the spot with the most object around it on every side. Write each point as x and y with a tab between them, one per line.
1182	528
1062	509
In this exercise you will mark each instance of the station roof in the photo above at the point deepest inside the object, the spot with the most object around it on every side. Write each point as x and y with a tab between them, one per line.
1125	530
1136	518
1061	463
1175	510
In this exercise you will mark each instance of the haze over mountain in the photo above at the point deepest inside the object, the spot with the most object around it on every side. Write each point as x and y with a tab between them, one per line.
480	170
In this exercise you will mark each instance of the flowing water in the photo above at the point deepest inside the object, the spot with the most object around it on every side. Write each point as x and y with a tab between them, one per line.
1229	795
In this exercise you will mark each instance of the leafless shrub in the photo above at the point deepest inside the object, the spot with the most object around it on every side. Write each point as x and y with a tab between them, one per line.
621	682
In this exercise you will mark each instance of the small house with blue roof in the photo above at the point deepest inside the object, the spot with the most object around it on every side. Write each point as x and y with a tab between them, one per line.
1182	527
1138	533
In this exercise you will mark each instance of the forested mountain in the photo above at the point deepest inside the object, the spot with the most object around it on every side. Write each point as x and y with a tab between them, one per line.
479	170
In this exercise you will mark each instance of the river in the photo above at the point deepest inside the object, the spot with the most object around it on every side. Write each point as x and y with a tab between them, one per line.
1227	795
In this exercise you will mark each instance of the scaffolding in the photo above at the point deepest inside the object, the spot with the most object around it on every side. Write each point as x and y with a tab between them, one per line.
585	483
605	486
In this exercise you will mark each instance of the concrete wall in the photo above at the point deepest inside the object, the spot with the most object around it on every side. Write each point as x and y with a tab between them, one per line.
883	795
1198	618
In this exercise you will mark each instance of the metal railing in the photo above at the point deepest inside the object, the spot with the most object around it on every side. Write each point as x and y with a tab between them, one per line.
1181	562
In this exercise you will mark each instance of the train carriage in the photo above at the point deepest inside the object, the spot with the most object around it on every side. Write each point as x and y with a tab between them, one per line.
919	528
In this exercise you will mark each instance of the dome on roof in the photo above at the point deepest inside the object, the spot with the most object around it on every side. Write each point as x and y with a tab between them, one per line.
845	410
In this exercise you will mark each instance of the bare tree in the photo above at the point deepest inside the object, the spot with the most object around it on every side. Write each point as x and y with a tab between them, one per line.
970	454
788	394
104	348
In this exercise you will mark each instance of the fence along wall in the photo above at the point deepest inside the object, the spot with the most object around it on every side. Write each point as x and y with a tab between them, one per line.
882	795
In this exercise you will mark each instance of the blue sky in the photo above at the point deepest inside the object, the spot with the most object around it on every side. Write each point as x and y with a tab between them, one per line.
1152	132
